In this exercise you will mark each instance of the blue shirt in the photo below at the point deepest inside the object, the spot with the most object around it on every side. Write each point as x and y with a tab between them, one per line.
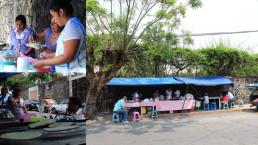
5	99
119	105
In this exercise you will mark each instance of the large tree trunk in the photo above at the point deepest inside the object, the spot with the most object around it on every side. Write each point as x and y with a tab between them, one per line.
95	87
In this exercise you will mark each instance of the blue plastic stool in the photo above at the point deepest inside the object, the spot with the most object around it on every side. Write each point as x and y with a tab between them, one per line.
206	106
154	114
115	117
213	106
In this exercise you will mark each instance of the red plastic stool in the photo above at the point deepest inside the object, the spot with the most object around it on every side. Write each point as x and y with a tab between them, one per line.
136	116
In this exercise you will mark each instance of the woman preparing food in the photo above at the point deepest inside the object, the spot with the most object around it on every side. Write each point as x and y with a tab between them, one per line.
70	52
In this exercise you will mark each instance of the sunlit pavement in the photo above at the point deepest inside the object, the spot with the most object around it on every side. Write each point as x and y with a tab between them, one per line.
228	127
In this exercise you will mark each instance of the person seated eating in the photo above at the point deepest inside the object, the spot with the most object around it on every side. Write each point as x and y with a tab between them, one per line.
4	96
156	95
206	99
224	99
16	105
136	97
189	96
169	93
19	37
121	110
177	95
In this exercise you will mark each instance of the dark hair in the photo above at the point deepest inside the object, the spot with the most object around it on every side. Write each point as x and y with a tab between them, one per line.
224	93
76	101
4	89
16	91
21	18
66	5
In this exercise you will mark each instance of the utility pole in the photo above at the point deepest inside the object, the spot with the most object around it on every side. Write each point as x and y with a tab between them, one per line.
70	84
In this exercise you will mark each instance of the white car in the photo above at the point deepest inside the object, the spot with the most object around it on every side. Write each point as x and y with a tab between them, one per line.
62	107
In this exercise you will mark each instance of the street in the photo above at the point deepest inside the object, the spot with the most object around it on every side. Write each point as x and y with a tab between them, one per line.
216	128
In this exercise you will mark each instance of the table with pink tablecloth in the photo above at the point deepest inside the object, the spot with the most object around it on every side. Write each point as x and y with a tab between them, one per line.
132	105
147	104
175	105
164	105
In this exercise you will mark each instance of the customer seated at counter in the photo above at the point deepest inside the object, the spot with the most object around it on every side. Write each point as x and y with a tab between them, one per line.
136	97
169	93
156	95
121	110
4	96
16	105
224	97
177	94
189	96
206	98
19	37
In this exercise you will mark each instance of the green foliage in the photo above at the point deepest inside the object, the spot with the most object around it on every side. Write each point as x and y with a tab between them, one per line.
218	59
24	80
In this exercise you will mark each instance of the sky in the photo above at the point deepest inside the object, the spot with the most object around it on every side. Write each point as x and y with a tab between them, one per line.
224	16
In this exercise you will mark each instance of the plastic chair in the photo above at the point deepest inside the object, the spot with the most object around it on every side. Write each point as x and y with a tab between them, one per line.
206	106
115	117
136	116
241	103
154	114
198	105
213	106
225	105
232	104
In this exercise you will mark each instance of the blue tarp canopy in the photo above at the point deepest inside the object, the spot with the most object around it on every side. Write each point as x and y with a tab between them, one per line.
143	81
205	81
252	85
200	81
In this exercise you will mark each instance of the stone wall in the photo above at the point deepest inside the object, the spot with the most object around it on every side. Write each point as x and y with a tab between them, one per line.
36	12
59	89
241	92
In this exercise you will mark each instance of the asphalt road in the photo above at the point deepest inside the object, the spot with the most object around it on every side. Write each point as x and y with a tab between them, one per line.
226	128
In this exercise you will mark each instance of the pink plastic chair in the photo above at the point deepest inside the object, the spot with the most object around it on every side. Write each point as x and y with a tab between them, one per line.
136	116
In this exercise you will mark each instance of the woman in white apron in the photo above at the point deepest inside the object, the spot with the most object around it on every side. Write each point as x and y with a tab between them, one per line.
71	45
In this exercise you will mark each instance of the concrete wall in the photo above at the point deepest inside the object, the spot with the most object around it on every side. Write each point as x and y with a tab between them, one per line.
36	12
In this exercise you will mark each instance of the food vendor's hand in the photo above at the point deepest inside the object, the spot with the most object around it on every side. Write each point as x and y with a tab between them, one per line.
42	49
39	63
31	38
45	55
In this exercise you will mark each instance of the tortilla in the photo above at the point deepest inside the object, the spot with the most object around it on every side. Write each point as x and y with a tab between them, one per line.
35	45
60	128
61	124
21	135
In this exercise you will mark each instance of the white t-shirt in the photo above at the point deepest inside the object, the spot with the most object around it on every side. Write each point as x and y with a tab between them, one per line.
189	96
230	95
168	94
206	99
74	29
177	93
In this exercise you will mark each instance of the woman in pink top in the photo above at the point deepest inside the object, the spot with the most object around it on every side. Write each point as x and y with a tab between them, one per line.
224	97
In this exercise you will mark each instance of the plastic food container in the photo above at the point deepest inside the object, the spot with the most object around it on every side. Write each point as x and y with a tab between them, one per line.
43	69
9	66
